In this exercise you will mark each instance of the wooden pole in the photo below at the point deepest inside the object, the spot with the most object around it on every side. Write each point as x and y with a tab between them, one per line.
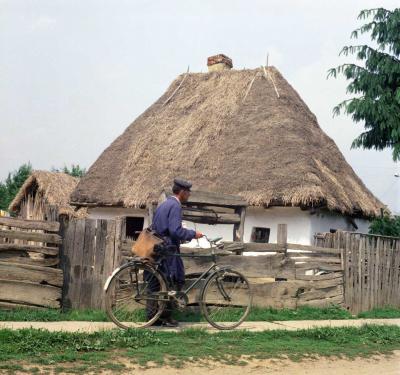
152	208
238	228
282	236
242	212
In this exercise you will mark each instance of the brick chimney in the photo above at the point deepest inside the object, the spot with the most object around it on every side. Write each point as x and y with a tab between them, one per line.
219	62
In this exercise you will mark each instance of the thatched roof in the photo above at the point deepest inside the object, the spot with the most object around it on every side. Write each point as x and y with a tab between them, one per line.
54	187
228	134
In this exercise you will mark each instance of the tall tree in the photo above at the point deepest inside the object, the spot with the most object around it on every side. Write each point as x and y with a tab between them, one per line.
375	82
9	188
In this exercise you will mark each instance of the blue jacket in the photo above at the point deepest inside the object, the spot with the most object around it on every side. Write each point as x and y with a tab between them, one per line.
167	222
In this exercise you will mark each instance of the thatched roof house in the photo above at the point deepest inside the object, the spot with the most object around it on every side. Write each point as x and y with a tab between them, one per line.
45	196
244	132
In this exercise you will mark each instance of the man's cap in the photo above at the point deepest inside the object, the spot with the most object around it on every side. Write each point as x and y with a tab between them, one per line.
182	183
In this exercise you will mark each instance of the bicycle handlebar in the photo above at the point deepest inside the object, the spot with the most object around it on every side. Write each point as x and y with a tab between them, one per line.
213	240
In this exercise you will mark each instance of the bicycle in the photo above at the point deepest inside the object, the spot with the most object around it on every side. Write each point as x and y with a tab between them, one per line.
137	292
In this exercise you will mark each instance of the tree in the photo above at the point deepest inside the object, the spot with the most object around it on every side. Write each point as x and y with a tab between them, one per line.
75	171
9	188
376	82
386	226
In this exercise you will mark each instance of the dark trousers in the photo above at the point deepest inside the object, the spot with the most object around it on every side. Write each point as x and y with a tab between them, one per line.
152	305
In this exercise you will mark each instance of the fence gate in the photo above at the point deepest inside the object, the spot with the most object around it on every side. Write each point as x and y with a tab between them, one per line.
89	254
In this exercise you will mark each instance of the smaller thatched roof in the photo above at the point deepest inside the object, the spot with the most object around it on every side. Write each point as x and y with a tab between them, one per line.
55	187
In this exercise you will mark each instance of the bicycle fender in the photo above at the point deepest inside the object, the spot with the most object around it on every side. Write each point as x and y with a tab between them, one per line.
110	277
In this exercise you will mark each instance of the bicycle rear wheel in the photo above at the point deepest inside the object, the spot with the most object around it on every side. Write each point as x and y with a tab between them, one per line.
226	299
134	297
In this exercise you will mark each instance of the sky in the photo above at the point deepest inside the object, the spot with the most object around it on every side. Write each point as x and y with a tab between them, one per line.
75	74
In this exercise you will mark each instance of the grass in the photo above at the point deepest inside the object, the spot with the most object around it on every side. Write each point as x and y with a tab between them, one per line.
52	315
333	312
101	350
381	313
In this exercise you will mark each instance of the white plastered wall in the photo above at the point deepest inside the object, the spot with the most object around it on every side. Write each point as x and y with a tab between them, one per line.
301	224
113	212
324	221
298	223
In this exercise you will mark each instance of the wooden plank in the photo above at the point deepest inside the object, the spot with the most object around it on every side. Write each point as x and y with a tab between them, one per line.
98	270
120	227
14	257
382	260
364	275
357	269
242	212
110	248
85	296
66	254
370	255
325	302
302	258
324	284
31	236
262	247
50	226
207	217
318	265
319	249
214	199
282	236
347	264
76	262
250	266
109	255
377	270
387	272
29	248
333	291
327	276
29	293
12	306
395	282
391	271
34	274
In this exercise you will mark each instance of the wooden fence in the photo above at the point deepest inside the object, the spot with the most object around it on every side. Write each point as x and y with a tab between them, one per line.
28	254
371	267
283	275
357	271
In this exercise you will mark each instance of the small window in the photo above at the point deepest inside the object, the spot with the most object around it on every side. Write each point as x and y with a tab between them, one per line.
259	234
133	226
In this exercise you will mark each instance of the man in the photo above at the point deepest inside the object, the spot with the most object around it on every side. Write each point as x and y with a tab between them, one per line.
167	223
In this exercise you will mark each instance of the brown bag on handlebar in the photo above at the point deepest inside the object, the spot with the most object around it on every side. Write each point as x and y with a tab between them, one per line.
144	245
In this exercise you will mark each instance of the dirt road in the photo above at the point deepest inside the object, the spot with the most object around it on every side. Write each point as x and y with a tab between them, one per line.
385	365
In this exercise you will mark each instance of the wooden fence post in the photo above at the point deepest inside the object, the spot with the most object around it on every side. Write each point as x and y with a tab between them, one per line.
238	229
282	236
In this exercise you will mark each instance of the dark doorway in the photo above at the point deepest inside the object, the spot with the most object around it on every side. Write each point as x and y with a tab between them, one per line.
134	225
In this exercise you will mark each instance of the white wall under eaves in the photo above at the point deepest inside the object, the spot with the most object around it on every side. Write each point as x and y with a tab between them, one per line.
301	224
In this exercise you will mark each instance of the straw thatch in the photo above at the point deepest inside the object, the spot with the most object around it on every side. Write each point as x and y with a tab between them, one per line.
47	194
243	132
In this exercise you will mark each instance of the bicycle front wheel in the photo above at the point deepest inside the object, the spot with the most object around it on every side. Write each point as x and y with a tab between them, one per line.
226	299
135	296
